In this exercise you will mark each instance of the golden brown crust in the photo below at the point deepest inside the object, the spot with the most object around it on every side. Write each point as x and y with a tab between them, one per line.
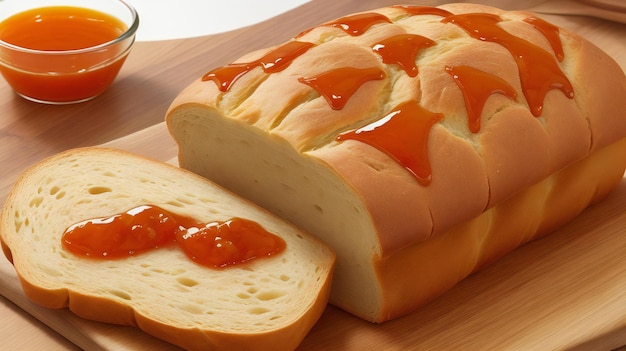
445	260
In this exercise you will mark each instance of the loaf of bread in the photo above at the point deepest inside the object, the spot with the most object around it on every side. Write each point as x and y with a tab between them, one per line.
420	143
265	303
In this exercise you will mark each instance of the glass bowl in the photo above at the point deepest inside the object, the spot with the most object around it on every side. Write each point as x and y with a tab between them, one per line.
61	52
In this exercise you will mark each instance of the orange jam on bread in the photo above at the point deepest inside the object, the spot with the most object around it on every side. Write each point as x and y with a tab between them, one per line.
408	123
43	62
148	227
274	61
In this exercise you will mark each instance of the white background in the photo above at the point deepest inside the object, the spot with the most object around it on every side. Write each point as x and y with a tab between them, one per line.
167	19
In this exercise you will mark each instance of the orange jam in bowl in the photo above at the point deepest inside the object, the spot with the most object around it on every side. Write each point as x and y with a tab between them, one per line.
61	52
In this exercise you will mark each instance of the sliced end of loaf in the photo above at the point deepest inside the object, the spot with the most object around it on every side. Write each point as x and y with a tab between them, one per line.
307	192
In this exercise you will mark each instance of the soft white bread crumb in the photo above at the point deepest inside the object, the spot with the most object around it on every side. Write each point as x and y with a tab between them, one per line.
268	303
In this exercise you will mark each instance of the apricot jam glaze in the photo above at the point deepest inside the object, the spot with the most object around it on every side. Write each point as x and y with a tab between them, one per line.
403	132
47	58
149	227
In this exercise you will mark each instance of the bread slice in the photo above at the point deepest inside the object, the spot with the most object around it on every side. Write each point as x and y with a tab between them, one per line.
500	163
265	304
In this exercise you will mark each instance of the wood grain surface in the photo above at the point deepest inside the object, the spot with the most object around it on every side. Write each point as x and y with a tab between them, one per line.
566	291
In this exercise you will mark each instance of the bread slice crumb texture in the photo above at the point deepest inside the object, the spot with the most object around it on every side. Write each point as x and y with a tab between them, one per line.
163	285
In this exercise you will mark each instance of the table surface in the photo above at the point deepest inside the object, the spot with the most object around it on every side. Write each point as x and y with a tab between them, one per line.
156	71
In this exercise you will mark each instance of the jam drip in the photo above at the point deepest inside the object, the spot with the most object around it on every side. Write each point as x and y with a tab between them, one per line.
148	227
403	135
477	86
354	25
338	85
551	32
423	10
274	61
538	70
402	50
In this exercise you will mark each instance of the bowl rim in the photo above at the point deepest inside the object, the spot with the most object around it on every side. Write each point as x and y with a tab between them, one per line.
129	33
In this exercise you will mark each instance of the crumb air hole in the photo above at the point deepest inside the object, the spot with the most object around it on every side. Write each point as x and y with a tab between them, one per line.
96	190
269	295
258	310
187	281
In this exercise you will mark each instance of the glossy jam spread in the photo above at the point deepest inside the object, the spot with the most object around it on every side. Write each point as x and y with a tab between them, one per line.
402	50
477	86
551	32
403	133
539	71
147	227
274	61
355	25
423	10
338	85
61	29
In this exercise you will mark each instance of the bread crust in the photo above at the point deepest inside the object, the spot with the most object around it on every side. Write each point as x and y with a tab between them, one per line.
446	259
474	173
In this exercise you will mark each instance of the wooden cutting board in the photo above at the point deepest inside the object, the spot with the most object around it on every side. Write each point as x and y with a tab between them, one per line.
565	291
